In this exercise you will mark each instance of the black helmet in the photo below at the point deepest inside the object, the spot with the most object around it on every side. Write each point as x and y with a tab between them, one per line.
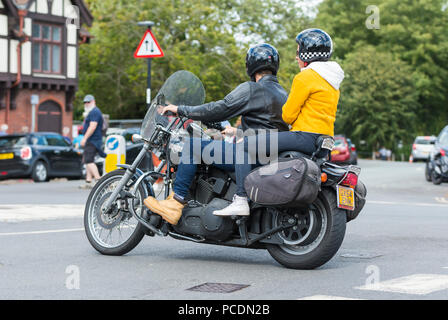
262	57
314	45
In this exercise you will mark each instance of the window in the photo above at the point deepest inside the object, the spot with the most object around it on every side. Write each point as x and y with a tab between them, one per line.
39	141
47	53
56	141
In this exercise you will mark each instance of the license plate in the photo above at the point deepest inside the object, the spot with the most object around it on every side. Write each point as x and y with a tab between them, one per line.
334	152
6	156
346	198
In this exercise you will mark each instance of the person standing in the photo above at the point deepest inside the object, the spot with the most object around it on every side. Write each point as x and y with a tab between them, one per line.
92	140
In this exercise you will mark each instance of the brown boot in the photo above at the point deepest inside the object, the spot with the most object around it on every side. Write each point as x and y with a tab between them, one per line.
169	209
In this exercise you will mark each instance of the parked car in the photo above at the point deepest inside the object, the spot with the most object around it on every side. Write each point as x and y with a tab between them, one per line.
39	155
344	151
422	148
436	169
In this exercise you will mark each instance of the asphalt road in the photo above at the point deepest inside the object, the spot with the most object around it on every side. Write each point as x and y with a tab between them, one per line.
396	249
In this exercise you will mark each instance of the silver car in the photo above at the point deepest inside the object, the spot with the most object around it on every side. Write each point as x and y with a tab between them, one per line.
422	147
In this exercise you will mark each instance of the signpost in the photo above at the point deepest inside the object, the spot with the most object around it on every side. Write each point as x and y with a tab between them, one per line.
148	48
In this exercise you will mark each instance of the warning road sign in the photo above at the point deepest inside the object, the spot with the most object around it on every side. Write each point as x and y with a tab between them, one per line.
148	47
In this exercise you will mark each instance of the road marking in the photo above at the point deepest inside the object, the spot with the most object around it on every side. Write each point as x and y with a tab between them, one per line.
40	232
28	212
324	297
415	284
441	200
420	204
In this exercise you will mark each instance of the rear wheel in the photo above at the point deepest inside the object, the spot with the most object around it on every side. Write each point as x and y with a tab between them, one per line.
317	237
40	172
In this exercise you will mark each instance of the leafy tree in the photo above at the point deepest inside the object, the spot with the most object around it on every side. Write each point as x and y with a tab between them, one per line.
209	39
413	31
378	101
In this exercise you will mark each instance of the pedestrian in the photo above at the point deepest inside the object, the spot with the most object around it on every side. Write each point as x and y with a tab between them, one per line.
92	140
383	153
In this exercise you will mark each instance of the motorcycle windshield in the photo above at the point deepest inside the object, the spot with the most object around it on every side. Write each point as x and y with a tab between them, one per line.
181	88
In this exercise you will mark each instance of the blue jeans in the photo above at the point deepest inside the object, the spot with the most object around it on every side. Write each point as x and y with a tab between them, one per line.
217	153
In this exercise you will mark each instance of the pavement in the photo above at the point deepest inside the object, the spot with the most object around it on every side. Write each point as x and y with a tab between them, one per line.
396	249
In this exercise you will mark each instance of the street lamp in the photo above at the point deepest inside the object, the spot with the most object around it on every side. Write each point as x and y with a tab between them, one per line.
21	4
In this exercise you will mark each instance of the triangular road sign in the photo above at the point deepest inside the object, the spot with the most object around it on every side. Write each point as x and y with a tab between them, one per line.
148	47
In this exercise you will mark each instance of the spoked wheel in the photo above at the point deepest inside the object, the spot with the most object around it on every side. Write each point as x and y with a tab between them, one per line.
116	232
316	236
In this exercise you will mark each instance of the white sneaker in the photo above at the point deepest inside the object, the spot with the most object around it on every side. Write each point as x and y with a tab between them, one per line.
238	207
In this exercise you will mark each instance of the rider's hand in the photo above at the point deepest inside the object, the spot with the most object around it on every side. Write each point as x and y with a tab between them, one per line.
170	108
229	131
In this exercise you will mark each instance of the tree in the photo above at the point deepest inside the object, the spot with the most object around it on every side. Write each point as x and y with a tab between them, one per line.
413	32
378	99
209	39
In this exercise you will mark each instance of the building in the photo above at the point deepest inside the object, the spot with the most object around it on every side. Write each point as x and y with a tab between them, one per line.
39	57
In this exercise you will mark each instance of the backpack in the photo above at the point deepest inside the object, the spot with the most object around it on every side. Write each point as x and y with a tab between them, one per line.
284	183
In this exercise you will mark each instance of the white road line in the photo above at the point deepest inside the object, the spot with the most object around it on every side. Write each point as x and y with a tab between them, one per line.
420	204
29	212
40	232
415	284
324	297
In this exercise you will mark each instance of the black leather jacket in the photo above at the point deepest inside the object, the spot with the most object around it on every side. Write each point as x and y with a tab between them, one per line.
259	103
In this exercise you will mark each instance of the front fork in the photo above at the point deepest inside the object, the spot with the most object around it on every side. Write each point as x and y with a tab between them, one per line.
125	179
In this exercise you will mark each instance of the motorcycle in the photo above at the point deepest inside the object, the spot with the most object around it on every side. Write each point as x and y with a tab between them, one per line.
436	169
304	237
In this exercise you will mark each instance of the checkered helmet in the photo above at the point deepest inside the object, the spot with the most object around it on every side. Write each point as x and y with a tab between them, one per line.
314	45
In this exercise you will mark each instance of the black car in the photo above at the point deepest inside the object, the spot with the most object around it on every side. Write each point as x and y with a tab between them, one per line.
39	155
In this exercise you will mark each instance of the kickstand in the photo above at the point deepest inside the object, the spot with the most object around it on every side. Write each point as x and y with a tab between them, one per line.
242	227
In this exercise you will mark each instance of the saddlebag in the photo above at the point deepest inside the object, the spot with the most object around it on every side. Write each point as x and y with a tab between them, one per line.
285	183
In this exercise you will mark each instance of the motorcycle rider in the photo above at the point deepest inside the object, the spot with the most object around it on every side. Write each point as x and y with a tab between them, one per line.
310	108
258	101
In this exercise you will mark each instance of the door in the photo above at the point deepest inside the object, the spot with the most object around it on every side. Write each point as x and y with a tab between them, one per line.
49	117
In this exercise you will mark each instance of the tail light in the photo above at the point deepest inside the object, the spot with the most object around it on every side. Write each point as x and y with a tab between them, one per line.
414	147
26	153
353	149
350	180
442	152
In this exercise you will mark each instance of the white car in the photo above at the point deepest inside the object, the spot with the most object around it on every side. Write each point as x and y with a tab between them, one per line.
422	147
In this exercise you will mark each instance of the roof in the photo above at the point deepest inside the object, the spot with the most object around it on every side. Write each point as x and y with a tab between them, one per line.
85	15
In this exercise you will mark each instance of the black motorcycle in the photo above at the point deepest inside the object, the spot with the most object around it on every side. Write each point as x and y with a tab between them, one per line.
436	169
305	237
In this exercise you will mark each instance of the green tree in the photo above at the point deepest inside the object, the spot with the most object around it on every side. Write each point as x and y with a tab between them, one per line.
378	101
413	31
209	39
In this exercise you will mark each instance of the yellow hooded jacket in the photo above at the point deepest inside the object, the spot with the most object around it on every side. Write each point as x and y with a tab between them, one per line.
313	100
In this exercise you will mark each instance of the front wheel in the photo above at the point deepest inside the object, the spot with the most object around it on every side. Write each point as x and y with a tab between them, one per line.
117	232
320	232
428	172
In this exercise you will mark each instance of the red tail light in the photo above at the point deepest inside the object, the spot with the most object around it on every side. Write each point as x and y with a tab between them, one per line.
414	146
25	153
353	149
350	180
442	152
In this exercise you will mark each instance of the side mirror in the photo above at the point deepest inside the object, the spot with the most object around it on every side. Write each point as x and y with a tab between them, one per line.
136	138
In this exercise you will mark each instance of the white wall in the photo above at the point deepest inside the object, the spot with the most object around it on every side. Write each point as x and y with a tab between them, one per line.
1	5
3	24
72	34
4	55
57	8
13	56
71	62
42	6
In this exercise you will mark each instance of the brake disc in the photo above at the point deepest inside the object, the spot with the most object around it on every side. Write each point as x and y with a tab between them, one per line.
111	219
